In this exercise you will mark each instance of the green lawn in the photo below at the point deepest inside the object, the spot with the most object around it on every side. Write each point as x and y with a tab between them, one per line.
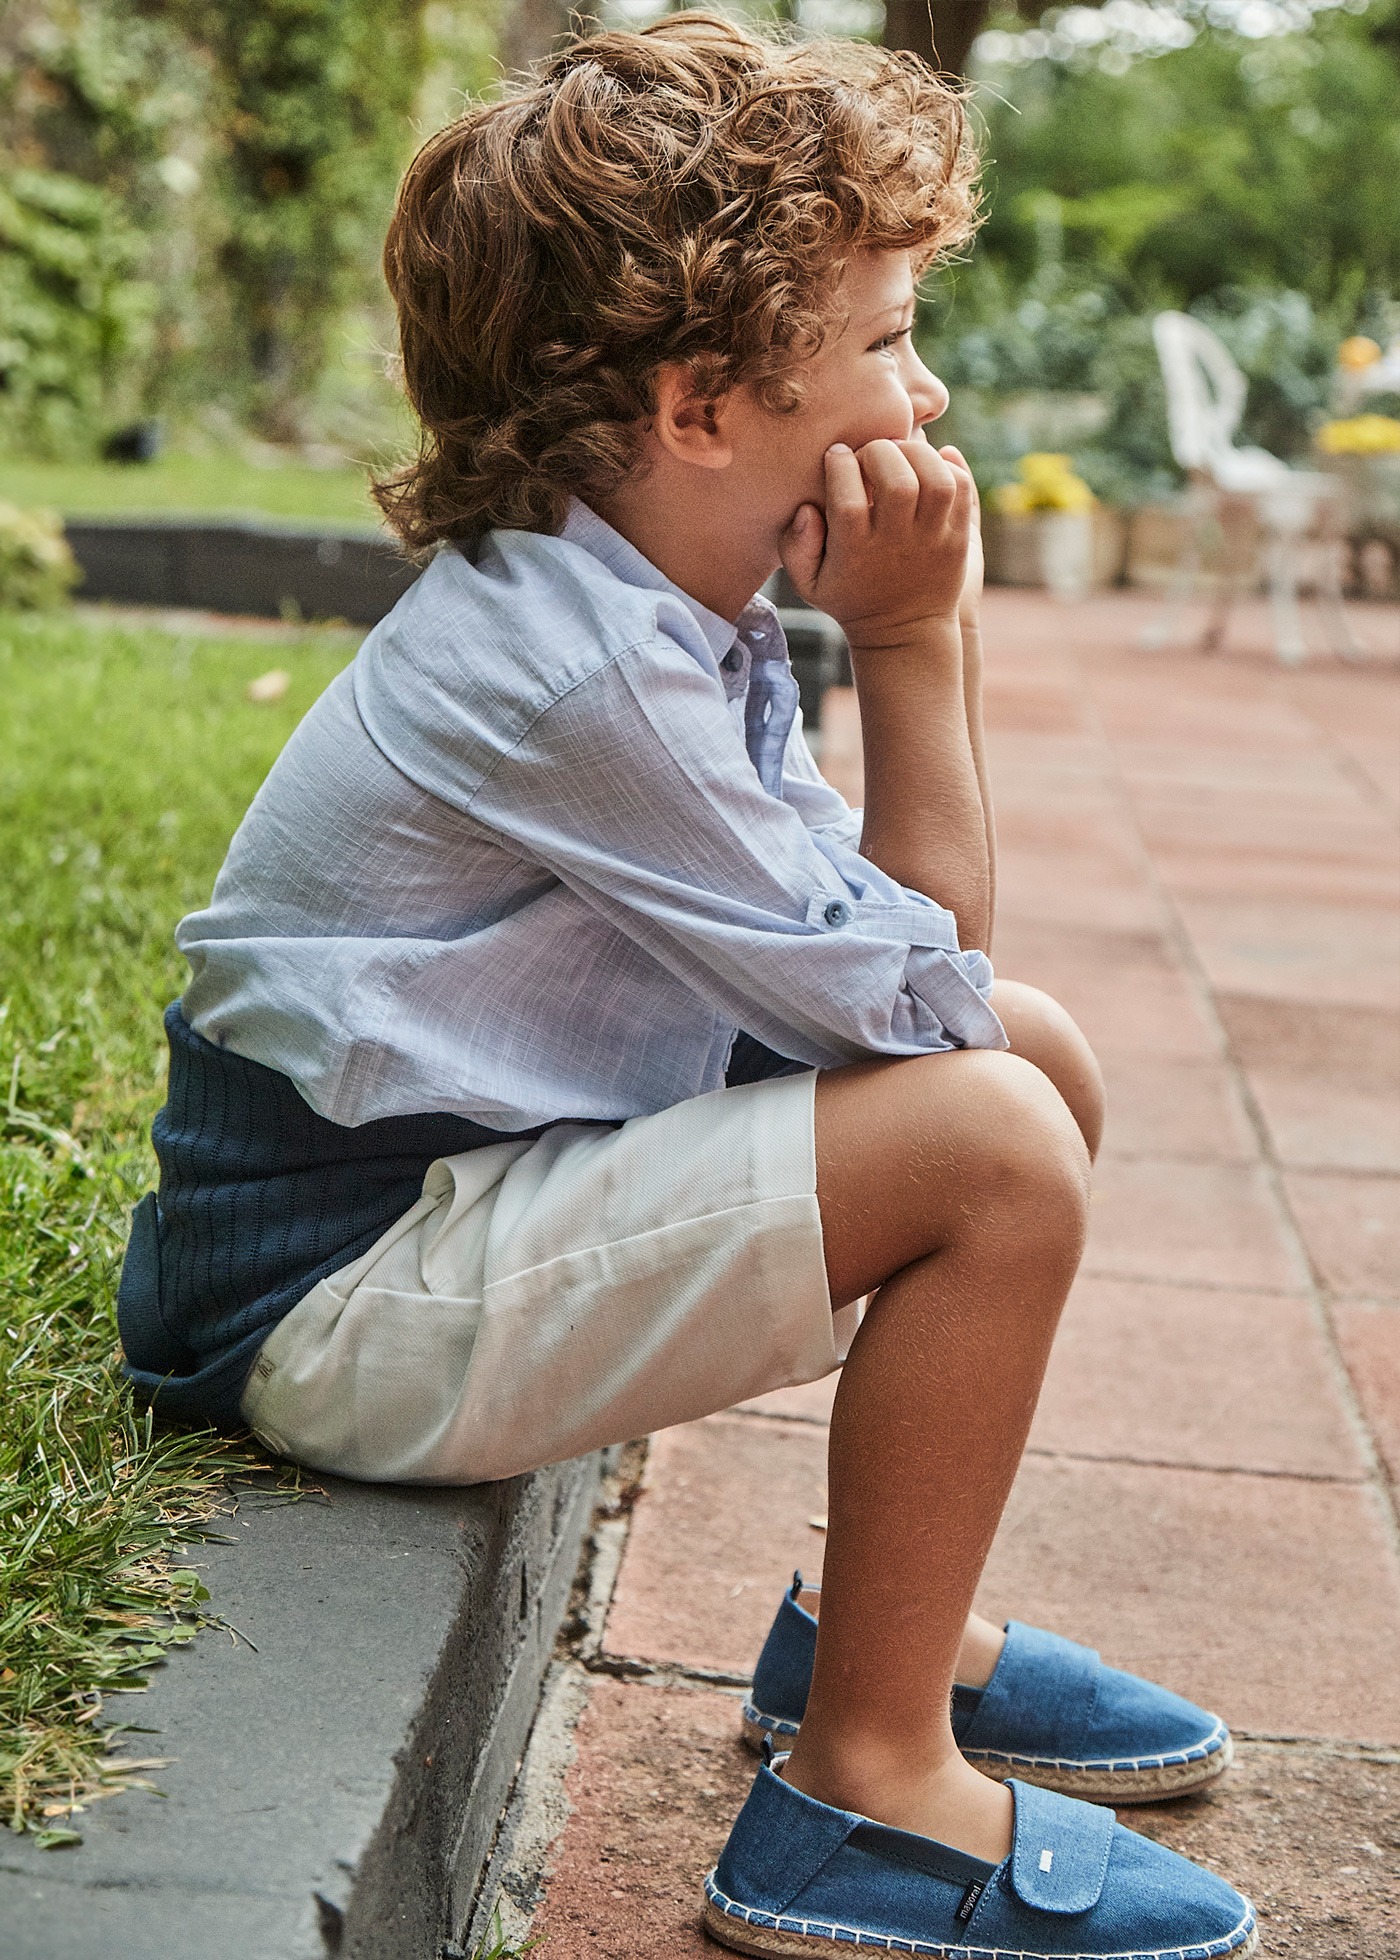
221	484
129	758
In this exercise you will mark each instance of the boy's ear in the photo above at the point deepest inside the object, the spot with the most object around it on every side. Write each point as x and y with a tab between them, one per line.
688	423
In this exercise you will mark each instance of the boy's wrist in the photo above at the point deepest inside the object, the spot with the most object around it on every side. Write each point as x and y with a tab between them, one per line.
922	640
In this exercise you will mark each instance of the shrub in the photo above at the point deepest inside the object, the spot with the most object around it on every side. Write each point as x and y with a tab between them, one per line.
37	569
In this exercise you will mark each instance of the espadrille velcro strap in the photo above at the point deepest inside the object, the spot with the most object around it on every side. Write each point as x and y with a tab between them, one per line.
1060	1857
1043	1691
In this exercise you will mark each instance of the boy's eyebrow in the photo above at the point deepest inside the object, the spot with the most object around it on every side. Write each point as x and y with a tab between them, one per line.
895	308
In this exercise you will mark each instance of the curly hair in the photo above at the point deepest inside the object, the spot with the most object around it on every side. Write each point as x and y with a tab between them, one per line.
685	194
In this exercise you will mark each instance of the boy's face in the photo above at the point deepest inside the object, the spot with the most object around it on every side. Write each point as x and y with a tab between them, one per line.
866	383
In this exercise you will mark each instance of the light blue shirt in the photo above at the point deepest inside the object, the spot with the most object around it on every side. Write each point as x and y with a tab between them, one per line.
544	846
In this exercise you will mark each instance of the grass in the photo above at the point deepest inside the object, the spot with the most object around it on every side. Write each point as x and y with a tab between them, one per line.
224	485
129	758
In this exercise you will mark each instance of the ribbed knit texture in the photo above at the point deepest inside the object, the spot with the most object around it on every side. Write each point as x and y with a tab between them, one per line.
259	1198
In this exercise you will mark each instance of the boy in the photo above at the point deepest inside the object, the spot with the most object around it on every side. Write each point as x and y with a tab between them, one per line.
452	1182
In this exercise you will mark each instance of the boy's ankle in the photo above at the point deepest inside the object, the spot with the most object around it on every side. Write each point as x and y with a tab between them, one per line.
950	1802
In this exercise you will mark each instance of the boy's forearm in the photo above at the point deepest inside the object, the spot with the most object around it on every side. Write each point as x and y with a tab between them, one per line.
925	821
972	702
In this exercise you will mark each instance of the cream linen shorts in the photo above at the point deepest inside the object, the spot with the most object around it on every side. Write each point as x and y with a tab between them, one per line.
543	1298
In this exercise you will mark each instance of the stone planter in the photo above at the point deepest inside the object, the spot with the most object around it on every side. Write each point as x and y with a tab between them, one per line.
1065	552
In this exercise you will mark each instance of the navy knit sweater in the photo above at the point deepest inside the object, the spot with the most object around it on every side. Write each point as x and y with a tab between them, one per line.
259	1199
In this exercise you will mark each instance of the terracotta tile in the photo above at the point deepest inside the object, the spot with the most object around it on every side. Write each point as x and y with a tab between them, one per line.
1290	879
1316	1123
1186	822
1347	955
1359	1043
717	1532
1326	1079
1351	1227
1027	706
1301	1832
1273	1600
1073	893
1128	1011
1307	771
808	1402
1025	942
1205	1224
1369	1336
1182	1108
659	1776
1173	1375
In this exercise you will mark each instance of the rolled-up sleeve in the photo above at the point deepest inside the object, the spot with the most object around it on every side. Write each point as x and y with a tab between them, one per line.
635	790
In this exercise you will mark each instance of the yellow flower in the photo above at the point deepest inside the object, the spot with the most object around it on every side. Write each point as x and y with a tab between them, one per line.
1047	483
1362	435
1358	352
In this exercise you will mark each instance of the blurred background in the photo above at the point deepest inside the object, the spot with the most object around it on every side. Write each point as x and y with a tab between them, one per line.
193	194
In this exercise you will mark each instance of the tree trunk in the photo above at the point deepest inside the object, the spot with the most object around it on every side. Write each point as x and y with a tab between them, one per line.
942	31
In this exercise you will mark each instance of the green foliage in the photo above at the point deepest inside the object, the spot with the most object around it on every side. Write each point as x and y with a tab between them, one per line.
196	191
313	99
36	566
68	306
1267	163
128	760
1251	182
97	104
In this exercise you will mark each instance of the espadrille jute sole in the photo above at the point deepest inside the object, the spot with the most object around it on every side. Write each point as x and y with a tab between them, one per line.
1155	1784
767	1942
1152	1783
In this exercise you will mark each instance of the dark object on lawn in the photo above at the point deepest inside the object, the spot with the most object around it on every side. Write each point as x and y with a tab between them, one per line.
141	442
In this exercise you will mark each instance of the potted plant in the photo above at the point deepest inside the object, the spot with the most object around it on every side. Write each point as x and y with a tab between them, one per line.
1044	528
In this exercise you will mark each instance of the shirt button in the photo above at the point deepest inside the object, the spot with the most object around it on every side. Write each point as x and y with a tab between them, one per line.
732	661
837	913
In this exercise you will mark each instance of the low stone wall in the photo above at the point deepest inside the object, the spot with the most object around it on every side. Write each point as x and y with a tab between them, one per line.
338	1760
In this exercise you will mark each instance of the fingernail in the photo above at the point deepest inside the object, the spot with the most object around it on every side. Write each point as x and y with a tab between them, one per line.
840	449
803	518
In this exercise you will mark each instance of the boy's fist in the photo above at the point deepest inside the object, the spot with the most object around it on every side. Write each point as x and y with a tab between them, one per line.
891	552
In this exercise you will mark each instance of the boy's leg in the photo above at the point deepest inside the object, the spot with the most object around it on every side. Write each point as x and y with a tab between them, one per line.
1040	1029
957	1186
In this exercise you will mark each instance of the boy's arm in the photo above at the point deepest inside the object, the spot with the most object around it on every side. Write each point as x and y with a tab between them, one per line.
888	562
970	625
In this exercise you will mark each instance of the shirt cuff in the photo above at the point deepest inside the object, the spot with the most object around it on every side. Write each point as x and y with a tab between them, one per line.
916	924
955	988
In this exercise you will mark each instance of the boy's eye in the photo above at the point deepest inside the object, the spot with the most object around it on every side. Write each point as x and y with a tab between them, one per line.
891	339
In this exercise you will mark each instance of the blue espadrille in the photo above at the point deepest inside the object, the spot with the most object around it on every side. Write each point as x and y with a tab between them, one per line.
1052	1714
799	1878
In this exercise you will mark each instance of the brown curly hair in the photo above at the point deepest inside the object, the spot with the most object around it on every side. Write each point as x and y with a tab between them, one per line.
689	193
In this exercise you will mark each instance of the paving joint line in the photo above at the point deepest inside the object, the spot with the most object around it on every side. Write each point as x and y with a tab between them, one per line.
1361	1482
1193	971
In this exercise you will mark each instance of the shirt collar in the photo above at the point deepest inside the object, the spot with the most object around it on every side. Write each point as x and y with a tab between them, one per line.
595	535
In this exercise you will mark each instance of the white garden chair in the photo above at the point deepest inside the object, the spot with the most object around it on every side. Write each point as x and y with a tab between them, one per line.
1247	501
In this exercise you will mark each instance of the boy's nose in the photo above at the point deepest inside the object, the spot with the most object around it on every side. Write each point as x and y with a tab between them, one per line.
927	395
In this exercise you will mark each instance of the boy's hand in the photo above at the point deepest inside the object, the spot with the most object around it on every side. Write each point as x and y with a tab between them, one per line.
970	598
891	554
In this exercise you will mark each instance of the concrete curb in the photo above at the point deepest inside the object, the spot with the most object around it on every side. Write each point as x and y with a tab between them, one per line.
337	1773
274	570
245	566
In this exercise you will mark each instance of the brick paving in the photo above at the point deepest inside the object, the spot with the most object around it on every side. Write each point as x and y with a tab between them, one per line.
1199	858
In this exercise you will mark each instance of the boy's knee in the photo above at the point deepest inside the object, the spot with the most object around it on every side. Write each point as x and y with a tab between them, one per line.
1043	1033
1030	1150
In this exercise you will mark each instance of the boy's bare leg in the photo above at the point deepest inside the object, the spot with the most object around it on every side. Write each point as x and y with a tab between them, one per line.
956	1185
1039	1029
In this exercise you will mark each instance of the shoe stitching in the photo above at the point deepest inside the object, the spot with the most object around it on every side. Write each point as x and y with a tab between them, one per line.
1198	1752
893	1943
